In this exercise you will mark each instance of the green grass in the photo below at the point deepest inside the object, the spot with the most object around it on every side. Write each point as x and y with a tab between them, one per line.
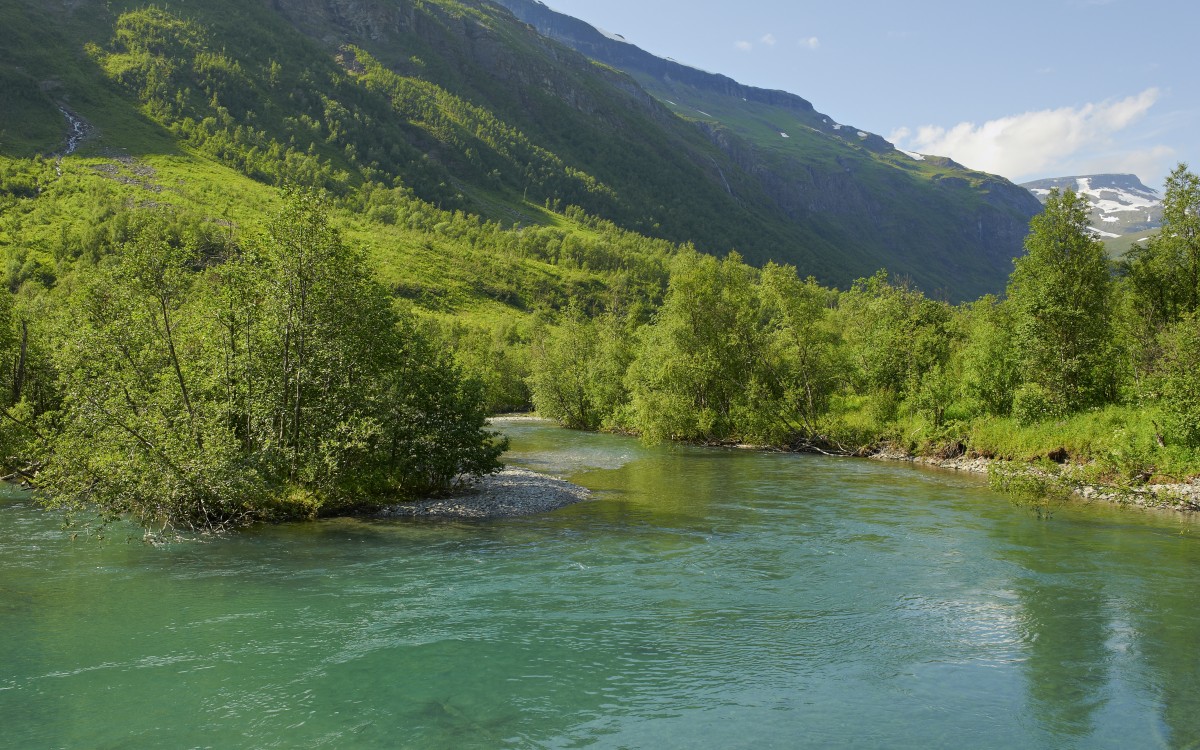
456	266
1114	445
1119	441
1086	435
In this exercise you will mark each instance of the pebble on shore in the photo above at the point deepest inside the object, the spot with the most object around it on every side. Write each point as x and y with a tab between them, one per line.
508	494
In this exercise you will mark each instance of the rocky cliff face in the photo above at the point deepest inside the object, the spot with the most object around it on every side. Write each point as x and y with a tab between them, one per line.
463	42
376	20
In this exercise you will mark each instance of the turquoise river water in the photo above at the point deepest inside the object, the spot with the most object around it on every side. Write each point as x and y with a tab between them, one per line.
702	598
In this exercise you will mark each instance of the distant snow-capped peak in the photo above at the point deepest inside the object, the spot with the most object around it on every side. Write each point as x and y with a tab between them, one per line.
1121	204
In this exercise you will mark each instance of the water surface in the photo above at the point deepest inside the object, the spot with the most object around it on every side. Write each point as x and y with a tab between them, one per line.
703	598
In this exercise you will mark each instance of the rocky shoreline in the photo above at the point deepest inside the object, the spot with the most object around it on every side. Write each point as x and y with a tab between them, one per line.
509	494
1182	497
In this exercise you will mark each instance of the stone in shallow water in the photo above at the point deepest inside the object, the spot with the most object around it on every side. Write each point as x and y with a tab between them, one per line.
511	493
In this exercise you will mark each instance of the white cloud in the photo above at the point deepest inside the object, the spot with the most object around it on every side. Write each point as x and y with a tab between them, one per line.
1034	144
770	40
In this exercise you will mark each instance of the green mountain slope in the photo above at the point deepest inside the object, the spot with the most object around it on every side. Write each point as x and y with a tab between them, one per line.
461	105
918	215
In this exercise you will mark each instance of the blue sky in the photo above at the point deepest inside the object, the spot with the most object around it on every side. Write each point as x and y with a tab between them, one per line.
1022	88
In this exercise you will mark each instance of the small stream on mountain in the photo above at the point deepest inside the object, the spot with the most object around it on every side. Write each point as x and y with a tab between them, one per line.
701	598
76	131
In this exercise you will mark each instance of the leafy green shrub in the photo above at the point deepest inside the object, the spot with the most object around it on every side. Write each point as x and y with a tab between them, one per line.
1039	488
275	383
1181	381
1033	403
882	406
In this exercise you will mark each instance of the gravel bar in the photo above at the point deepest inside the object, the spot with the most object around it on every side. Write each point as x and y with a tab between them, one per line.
509	494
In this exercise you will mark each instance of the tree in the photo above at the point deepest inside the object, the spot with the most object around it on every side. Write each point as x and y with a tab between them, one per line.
1060	294
9	348
274	383
1180	380
433	421
137	434
896	337
324	334
14	430
347	400
496	355
804	347
988	361
1181	233
28	382
578	370
561	362
1165	272
699	369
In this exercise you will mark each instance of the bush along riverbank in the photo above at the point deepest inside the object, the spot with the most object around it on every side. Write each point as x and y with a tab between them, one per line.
1115	454
1111	455
202	383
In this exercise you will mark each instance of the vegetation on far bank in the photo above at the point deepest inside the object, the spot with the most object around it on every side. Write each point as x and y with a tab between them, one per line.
1082	360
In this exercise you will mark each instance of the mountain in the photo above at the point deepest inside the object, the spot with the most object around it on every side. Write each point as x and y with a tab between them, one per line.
920	215
1124	211
463	105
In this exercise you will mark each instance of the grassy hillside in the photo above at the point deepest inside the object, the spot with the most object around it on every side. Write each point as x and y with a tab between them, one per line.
242	84
468	109
464	217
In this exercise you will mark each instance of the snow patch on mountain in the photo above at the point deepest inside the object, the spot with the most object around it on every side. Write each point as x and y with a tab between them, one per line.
1120	202
610	35
1116	199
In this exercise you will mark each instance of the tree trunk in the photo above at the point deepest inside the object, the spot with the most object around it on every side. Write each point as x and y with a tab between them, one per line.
19	373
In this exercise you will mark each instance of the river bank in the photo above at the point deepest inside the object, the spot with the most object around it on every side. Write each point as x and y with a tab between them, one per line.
1181	497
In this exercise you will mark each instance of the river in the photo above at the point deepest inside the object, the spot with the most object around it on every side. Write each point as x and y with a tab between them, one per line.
702	598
